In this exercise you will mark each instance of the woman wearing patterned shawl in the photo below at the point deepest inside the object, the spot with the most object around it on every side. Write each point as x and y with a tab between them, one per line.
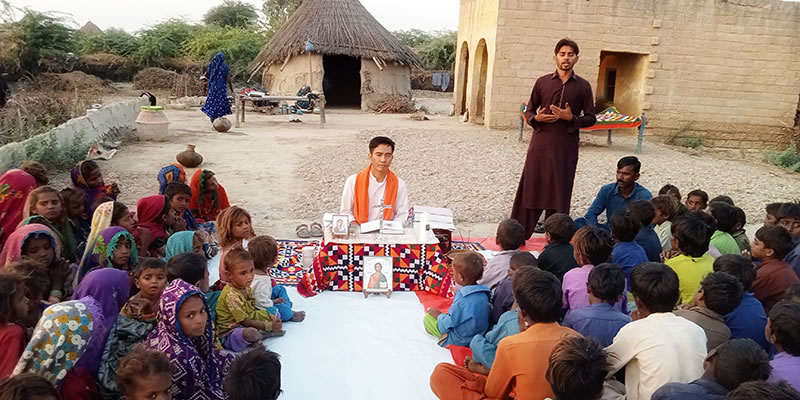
100	221
86	176
208	196
218	74
104	248
199	368
15	185
58	344
111	288
171	173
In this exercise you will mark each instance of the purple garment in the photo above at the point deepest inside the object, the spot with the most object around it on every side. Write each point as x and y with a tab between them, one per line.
198	368
575	295
497	269
111	289
103	250
785	367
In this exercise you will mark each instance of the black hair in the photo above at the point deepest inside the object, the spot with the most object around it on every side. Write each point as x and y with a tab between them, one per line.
472	265
737	266
149	263
624	226
521	259
567	42
630	161
120	210
256	375
12	285
739	361
741	217
725	215
175	188
27	386
723	199
643	210
593	243
37	278
190	267
167	207
656	286
722	292
693	235
577	369
379	140
87	167
670	190
667	204
763	390
607	282
788	210
707	219
140	363
98	201
784	322
560	227
793	292
510	234
699	193
538	294
772	208
776	238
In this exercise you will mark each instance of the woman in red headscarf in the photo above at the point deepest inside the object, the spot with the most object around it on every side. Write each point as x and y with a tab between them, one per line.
15	185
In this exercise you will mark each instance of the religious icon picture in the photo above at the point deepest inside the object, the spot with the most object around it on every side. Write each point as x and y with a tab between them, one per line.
340	225
377	275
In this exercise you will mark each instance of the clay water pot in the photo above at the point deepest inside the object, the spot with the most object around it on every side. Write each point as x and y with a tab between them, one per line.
222	124
189	158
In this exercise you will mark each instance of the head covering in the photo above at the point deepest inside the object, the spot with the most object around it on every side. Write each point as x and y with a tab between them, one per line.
180	242
79	181
201	368
12	251
106	244
61	337
149	210
217	103
100	221
65	234
171	173
206	210
111	288
15	185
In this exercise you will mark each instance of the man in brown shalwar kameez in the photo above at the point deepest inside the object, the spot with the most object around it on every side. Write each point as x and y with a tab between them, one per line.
561	104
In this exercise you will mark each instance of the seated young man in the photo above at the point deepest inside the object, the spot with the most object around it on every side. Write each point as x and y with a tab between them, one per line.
658	347
577	369
725	216
774	275
748	320
510	237
690	238
615	197
600	321
647	237
557	256
718	294
783	328
733	363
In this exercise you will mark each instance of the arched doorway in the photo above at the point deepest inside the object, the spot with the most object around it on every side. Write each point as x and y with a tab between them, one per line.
482	68
463	64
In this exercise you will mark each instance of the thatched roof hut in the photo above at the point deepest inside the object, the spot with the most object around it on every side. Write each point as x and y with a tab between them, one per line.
90	27
354	60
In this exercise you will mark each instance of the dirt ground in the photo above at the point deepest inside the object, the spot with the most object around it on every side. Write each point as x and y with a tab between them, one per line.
286	174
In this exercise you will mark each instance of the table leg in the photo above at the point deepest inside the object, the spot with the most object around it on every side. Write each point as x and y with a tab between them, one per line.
608	142
322	120
244	102
238	110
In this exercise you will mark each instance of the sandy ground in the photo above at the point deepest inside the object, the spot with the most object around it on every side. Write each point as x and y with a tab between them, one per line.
286	174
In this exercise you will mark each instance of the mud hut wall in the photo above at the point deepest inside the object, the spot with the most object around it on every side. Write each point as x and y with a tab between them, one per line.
394	80
294	75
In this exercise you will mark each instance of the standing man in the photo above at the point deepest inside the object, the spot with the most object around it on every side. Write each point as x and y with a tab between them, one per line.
561	104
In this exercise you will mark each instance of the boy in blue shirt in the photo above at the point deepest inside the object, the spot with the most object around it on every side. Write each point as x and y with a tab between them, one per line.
748	320
647	237
600	321
469	313
627	253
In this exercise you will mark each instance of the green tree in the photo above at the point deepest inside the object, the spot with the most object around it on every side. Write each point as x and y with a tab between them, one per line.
240	46
113	41
232	14
277	12
163	41
413	37
35	37
439	52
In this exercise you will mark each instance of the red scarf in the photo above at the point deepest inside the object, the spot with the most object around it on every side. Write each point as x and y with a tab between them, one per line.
361	196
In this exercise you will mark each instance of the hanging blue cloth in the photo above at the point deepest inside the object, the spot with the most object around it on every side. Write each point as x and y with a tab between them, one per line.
217	104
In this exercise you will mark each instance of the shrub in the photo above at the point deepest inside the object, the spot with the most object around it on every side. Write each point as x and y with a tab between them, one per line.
111	41
35	37
53	155
788	158
232	14
163	41
240	47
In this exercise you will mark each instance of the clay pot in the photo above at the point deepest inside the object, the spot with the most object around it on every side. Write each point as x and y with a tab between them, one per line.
222	124
189	158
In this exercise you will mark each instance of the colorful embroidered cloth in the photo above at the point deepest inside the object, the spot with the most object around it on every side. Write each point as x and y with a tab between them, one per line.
341	267
611	118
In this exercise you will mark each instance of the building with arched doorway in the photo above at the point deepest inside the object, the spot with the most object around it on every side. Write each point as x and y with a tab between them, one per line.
727	71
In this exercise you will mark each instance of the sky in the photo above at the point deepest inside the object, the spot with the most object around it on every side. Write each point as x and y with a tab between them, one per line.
132	16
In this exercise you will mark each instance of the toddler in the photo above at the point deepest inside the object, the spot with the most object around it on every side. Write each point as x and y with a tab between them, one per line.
274	299
144	375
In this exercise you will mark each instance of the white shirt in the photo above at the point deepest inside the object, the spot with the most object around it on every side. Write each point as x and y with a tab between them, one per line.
656	350
262	290
377	191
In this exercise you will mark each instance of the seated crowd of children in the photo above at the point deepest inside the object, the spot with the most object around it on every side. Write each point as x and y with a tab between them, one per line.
97	302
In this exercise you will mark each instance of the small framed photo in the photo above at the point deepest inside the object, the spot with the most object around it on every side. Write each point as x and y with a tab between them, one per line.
378	275
340	225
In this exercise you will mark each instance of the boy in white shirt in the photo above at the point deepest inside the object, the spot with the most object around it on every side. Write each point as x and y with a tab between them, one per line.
274	299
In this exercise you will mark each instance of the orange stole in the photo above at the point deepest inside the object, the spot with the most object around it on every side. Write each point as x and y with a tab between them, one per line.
361	196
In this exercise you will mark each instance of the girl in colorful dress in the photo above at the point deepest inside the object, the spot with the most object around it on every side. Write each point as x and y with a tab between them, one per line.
15	185
155	214
37	243
208	196
46	206
86	176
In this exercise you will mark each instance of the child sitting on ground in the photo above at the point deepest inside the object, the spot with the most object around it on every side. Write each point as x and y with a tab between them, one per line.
718	295
600	321
748	319
577	369
725	216
521	359
87	177
510	237
731	364
666	210
186	242
14	306
503	295
782	331
179	195
208	197
647	237
45	206
191	268
774	275
793	293
771	212
627	253
592	247
789	219
672	191
28	386
155	215
658	346
696	200
150	278
739	233
690	238
145	374
239	322
73	203
234	225
764	390
255	375
557	256
469	313
37	243
37	286
114	248
274	299
184	334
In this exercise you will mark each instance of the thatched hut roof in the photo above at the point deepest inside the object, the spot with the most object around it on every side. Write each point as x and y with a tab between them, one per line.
90	27
335	27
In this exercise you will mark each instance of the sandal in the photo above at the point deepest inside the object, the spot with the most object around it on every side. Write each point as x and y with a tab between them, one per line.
302	231
316	229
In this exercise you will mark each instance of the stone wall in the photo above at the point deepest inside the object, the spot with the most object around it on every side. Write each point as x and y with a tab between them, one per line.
724	70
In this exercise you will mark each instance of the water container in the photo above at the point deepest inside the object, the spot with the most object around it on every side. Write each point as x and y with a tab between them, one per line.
152	124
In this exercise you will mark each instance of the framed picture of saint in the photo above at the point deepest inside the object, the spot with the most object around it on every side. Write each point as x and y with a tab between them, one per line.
377	275
340	226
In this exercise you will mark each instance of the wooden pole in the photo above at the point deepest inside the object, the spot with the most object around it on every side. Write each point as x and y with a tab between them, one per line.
310	72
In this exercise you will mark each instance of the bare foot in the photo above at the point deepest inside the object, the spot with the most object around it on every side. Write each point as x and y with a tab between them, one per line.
252	335
299	316
269	334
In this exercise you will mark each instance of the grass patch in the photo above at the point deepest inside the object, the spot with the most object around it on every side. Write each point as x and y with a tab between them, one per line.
788	158
51	154
691	142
